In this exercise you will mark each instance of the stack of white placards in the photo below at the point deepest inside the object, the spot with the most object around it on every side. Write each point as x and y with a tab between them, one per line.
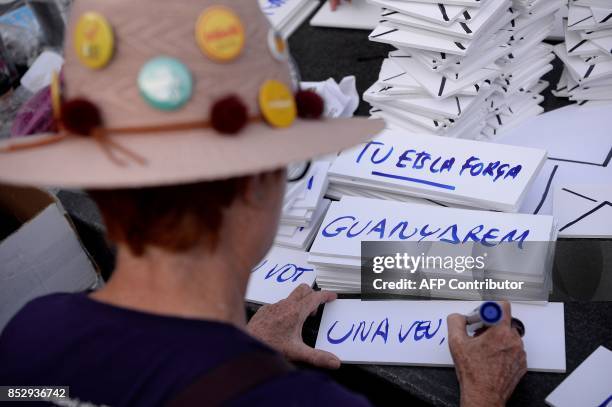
462	68
287	15
587	53
304	207
336	251
402	166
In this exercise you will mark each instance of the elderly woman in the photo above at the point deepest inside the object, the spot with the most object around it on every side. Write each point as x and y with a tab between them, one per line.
178	118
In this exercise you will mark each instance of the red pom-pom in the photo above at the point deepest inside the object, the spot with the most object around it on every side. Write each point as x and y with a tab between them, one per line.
309	104
80	116
229	115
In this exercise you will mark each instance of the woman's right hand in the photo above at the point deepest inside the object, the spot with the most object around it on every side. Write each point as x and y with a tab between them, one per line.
490	365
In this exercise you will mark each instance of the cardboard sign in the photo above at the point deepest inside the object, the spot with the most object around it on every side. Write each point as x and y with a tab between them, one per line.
41	253
588	385
415	332
472	173
278	274
352	220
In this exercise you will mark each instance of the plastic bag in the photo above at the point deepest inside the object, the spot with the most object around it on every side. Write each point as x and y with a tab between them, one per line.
35	116
9	106
22	46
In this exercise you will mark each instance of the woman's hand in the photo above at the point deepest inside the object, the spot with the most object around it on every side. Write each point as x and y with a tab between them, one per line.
490	365
280	326
335	3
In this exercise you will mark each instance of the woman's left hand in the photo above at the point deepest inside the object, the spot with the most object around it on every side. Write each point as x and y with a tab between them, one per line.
280	326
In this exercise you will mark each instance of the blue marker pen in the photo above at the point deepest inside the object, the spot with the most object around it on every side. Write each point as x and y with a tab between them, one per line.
488	314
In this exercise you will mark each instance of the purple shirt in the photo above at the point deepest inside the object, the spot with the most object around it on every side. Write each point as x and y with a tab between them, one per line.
119	357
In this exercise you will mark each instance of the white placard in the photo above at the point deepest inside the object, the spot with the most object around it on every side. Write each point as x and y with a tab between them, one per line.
316	183
353	220
472	173
469	29
571	160
287	15
44	256
583	211
415	332
589	385
358	15
301	236
418	38
443	14
438	85
279	11
275	277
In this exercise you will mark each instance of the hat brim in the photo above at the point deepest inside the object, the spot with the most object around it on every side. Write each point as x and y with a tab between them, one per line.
180	157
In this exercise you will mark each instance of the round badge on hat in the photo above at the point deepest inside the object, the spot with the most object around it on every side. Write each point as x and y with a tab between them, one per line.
220	34
277	104
94	41
165	83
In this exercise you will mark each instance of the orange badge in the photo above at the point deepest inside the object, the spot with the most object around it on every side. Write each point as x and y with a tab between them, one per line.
220	34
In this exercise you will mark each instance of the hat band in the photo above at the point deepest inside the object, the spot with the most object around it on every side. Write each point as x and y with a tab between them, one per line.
165	128
85	120
100	134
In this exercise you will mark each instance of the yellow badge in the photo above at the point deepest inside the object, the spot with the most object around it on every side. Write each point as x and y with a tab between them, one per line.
277	104
220	33
56	95
94	41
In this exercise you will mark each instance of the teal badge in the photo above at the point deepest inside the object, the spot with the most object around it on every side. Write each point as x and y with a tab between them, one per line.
165	83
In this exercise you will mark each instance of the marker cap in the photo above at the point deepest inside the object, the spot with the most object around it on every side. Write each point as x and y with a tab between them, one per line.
491	313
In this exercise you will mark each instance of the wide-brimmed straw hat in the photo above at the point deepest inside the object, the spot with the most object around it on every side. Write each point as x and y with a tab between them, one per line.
159	92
